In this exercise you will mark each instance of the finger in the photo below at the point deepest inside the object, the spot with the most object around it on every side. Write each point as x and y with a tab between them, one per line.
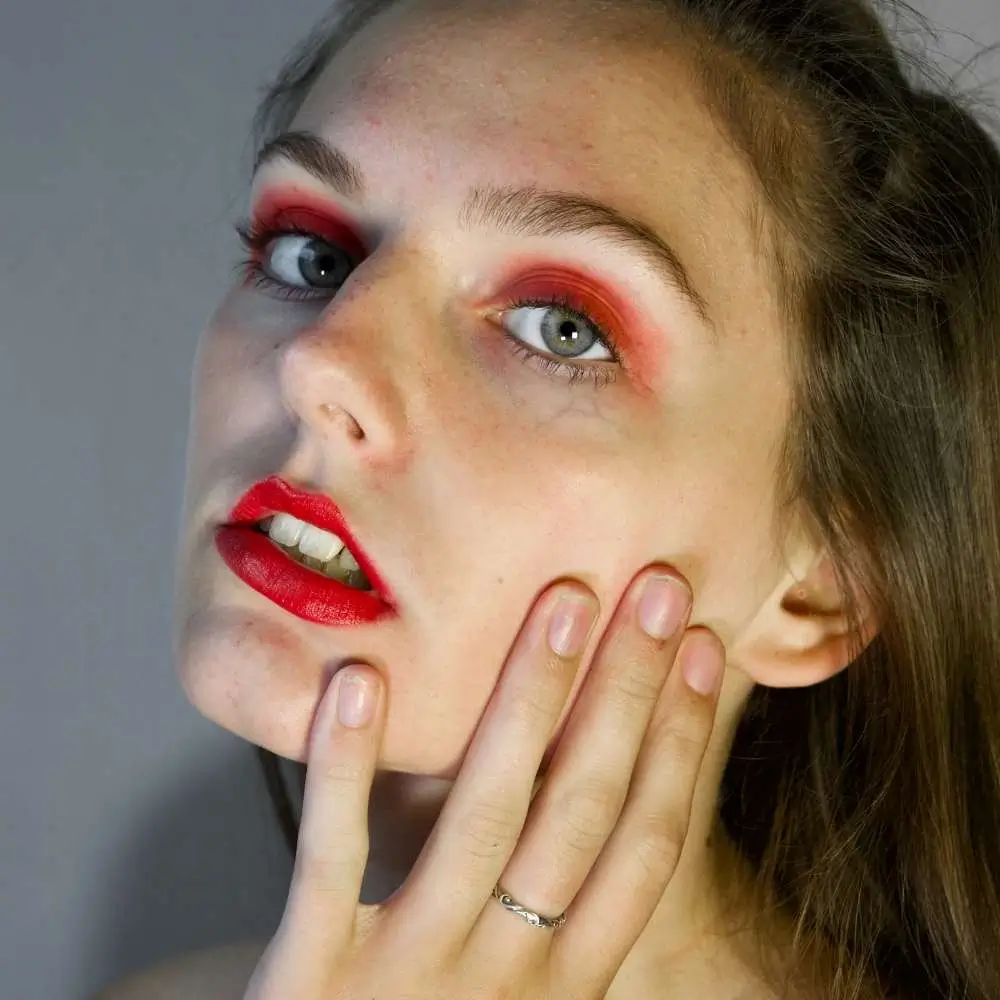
641	856
323	900
582	795
483	815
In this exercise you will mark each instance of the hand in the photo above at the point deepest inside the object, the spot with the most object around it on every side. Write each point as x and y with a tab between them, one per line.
602	836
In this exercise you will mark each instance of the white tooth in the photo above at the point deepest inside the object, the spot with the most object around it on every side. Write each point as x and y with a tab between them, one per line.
348	561
319	544
285	529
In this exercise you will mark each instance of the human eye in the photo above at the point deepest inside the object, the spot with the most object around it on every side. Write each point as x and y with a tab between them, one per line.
576	327
290	262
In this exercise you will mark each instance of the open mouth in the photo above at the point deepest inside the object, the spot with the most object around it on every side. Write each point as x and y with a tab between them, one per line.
335	583
325	554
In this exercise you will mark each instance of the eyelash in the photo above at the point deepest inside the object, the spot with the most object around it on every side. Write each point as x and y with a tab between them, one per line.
256	238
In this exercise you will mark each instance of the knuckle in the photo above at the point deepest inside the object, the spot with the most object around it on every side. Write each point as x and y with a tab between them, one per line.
344	773
683	739
638	685
487	829
532	711
658	845
332	871
588	813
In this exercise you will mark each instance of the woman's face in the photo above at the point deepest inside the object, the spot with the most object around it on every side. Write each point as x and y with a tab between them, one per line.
472	476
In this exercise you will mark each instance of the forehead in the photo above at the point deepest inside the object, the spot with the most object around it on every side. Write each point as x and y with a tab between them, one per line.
562	95
542	85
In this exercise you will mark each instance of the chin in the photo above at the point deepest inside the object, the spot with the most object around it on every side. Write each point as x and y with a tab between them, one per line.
247	666
253	677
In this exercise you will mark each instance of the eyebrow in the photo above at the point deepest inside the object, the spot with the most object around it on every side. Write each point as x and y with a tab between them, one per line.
516	211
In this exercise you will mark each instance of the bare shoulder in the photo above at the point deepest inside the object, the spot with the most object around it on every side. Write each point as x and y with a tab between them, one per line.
219	973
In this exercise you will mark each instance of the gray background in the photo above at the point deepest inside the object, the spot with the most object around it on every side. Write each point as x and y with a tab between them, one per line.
131	829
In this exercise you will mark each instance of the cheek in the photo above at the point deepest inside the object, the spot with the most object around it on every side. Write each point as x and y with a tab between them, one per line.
244	337
719	533
591	523
234	388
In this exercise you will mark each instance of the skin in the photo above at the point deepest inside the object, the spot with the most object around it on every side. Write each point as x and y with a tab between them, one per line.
396	397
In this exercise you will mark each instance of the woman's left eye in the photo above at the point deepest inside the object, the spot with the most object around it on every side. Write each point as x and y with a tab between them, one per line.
562	327
298	265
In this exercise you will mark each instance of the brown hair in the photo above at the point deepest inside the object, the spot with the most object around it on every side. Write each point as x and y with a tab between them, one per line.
868	805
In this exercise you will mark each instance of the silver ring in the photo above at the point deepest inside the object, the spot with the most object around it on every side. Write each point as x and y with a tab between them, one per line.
535	919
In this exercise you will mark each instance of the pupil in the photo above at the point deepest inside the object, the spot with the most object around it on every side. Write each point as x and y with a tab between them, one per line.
318	264
567	334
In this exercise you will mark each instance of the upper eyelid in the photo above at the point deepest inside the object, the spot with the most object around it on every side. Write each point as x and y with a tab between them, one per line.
582	370
272	232
526	211
522	213
270	236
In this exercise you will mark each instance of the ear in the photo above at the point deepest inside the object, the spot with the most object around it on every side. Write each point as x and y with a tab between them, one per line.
799	637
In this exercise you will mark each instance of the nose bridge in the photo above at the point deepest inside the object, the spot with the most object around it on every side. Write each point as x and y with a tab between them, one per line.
370	356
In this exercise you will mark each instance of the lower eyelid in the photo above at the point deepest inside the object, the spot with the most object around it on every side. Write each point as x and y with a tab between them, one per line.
550	368
569	371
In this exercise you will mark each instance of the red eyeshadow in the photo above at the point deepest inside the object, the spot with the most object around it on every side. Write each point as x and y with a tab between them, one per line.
642	348
643	351
280	208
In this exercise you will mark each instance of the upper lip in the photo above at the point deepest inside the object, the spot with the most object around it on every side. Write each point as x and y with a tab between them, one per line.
275	496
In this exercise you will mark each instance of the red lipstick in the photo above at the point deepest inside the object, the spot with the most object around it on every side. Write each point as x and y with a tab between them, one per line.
265	567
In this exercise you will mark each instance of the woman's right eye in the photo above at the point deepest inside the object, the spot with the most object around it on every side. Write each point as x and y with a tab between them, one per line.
301	261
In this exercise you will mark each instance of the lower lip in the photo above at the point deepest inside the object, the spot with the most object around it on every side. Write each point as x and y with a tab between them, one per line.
260	564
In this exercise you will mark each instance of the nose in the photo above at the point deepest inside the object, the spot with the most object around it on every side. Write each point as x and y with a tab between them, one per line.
337	380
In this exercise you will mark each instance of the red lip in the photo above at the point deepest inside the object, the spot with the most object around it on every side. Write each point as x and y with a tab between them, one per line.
265	567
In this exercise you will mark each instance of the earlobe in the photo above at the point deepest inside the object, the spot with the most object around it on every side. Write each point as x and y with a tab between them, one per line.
785	665
800	636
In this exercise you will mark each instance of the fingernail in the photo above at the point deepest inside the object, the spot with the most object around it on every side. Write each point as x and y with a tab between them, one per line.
571	623
357	695
664	602
702	667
